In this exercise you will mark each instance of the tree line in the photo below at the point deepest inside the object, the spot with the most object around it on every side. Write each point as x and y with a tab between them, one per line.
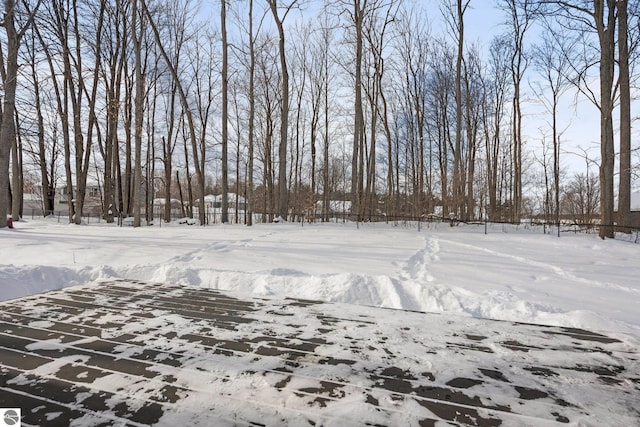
296	103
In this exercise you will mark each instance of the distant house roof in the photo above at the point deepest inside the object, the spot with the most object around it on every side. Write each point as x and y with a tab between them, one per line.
337	205
217	198
161	201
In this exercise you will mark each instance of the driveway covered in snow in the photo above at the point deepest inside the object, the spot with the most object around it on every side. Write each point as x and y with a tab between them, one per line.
134	353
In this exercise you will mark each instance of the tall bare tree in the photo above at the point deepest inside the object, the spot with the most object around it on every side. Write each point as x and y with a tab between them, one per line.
604	16
553	66
10	80
521	14
198	159
598	18
79	84
413	46
137	31
46	153
624	188
493	118
357	15
252	114
455	18
176	38
284	103
441	85
113	59
225	112
376	33
474	97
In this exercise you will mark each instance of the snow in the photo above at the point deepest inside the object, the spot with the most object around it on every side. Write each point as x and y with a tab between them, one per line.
510	273
287	356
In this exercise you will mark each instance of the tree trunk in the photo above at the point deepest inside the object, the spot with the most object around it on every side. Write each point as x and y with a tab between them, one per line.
17	195
137	30
624	189
111	151
252	114
326	186
7	127
521	15
457	154
225	114
48	199
605	25
127	188
284	115
358	127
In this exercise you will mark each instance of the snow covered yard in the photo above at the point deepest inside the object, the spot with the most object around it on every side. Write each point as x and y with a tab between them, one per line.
508	274
134	336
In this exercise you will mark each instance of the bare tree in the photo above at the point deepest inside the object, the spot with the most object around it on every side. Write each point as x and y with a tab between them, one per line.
319	52
176	37
245	20
581	198
440	87
300	197
137	30
204	64
474	98
46	153
252	111
413	46
266	93
521	14
190	123
376	33
64	22
595	17
604	17
225	112
284	104
493	119
113	59
17	172
9	69
455	19
356	16
322	73
624	188
553	66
